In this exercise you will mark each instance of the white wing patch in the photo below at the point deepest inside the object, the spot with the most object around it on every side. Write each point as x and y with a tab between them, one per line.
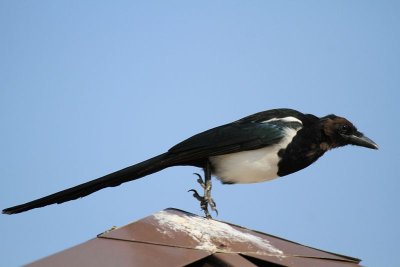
256	165
285	119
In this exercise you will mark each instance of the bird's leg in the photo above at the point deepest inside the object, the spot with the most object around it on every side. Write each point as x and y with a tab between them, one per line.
201	199
205	200
208	186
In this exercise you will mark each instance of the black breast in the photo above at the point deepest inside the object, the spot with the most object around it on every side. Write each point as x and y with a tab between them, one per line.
304	149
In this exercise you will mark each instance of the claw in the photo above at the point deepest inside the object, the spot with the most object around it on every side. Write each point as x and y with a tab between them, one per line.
205	200
200	180
196	195
213	206
199	176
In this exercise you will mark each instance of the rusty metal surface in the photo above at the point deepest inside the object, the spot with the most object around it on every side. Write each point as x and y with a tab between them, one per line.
176	238
107	252
180	229
295	261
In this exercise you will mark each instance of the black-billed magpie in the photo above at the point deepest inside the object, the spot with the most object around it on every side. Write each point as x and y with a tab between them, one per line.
257	148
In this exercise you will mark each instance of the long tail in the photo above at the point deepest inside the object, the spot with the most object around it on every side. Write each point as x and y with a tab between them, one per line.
113	179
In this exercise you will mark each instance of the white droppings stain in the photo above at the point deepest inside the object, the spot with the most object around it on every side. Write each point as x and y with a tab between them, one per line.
212	236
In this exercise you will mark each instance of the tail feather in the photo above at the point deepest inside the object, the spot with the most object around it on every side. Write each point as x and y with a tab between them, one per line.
133	172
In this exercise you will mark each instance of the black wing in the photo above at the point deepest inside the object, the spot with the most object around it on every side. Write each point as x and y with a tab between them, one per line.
249	133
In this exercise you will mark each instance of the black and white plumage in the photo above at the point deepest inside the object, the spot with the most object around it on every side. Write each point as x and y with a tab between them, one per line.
257	148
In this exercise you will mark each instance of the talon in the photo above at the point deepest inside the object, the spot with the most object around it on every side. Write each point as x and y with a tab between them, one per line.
200	180
198	175
196	195
205	200
202	184
215	210
213	205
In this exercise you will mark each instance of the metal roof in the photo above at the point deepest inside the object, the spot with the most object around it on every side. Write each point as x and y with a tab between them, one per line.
174	238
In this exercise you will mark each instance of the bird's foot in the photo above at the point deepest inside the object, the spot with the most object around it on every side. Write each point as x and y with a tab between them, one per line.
206	200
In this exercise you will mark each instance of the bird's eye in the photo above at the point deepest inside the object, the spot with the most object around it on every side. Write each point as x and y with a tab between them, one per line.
345	129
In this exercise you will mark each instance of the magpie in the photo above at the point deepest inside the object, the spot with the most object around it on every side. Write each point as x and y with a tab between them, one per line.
256	148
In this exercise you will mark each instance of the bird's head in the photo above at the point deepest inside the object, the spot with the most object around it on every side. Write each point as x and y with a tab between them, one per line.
340	132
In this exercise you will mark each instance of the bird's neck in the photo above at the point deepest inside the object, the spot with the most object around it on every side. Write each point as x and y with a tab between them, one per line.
307	146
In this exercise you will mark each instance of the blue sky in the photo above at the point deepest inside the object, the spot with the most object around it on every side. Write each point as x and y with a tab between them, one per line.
87	88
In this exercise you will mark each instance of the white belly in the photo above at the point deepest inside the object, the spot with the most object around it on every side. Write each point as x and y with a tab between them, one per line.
251	166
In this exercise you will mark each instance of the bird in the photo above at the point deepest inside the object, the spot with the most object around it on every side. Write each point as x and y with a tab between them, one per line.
257	148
